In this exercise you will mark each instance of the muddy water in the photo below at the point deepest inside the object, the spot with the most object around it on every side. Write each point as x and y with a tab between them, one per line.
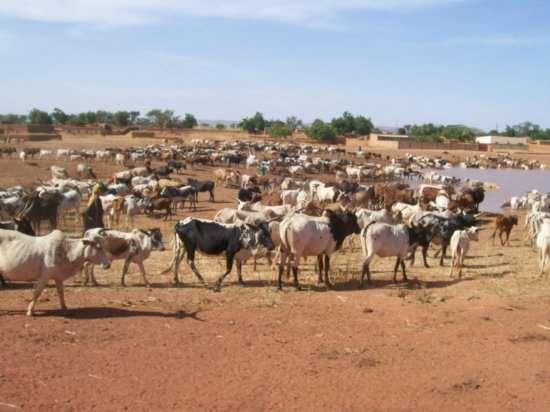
511	182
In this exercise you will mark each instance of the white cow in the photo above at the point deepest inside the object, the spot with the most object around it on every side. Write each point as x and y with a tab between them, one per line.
460	244
366	216
303	235
543	244
385	240
54	256
59	172
119	159
132	247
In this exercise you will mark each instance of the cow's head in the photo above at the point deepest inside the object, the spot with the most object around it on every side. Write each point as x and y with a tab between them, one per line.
473	233
94	251
255	237
156	239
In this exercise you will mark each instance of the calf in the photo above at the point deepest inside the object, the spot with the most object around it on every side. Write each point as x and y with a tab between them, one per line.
212	238
161	203
133	247
504	225
460	244
54	256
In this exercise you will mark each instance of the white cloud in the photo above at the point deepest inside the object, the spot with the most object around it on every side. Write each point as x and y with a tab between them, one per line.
131	12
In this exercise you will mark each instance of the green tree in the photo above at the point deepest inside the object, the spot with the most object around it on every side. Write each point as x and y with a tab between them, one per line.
59	116
320	130
461	133
13	118
220	126
134	115
344	125
162	118
189	121
294	123
37	116
255	124
121	118
279	129
363	126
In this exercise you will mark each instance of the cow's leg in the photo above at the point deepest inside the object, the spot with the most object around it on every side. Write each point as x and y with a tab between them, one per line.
2	280
269	258
327	268
443	252
452	265
229	265
424	256
319	269
177	261
395	270
255	264
404	271
61	294
143	274
124	271
413	255
281	259
191	263
494	235
366	269
240	270
38	288
295	264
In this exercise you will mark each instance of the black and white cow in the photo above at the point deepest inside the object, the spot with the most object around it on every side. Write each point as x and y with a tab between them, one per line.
213	238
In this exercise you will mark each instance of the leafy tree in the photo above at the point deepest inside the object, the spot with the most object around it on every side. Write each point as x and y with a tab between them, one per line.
402	131
363	126
162	118
13	118
189	121
134	115
37	116
294	123
320	130
461	133
347	125
220	126
121	118
344	125
59	116
279	129
255	124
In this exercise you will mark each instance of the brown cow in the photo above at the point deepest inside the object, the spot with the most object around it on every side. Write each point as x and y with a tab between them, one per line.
504	225
161	203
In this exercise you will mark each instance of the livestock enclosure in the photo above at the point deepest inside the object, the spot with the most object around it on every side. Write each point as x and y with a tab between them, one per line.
432	343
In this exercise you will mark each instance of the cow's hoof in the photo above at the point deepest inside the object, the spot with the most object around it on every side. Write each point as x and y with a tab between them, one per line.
29	313
216	288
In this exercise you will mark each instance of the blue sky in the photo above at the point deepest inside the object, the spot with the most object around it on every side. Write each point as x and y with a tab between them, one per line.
476	62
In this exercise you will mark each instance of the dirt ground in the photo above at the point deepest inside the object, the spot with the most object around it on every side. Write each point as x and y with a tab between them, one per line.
433	343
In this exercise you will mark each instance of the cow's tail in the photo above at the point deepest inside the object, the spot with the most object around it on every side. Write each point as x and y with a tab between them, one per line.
363	236
177	249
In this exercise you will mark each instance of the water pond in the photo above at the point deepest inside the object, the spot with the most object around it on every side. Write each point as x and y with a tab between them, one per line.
512	182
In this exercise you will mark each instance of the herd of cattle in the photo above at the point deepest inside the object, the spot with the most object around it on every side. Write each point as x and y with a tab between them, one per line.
292	202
